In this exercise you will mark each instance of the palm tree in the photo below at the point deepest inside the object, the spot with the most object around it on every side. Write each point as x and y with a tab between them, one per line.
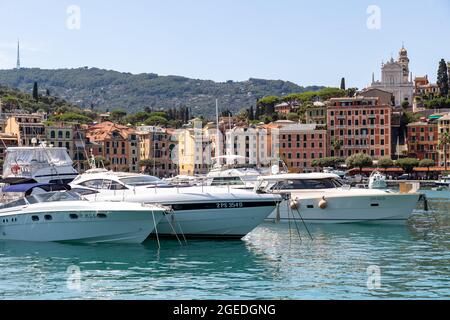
444	141
337	145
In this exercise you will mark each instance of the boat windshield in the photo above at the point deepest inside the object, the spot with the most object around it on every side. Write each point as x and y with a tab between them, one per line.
232	181
53	196
43	197
302	184
143	180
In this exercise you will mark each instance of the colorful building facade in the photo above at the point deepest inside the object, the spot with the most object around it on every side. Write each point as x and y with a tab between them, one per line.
358	125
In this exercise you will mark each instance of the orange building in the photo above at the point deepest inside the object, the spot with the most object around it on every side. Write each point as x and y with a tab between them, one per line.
361	124
423	140
157	144
26	127
285	108
300	144
118	144
423	87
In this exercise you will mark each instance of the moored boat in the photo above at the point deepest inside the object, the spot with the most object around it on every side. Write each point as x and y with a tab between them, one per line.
200	211
43	164
322	198
65	216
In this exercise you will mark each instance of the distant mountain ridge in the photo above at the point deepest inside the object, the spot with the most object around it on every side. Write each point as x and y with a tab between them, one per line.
107	89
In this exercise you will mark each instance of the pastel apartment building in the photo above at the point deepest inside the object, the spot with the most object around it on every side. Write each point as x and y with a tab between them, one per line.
26	127
300	144
317	113
158	144
194	149
422	140
117	143
72	136
361	124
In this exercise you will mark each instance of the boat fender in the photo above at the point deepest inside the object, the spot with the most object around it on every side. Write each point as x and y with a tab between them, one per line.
323	203
294	204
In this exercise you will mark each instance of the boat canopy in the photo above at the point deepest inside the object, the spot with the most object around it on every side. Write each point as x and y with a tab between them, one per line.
25	161
30	155
28	187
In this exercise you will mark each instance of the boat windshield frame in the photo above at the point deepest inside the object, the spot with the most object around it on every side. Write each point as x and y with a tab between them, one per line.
153	181
276	185
54	196
42	198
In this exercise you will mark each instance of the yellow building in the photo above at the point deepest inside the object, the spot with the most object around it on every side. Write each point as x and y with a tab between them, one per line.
26	127
194	150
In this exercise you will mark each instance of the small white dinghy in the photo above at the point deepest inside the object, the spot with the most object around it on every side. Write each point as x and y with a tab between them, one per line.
67	217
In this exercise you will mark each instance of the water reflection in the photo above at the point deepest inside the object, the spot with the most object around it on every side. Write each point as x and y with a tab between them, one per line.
273	262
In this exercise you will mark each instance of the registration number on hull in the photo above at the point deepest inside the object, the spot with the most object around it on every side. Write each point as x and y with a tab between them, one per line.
227	205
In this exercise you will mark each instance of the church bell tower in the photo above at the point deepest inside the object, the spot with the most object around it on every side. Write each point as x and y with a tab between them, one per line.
404	61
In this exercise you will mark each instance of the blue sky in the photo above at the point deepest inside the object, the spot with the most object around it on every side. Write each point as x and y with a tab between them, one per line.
307	42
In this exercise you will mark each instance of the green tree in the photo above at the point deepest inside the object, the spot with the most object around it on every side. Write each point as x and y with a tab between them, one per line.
267	104
351	92
251	114
330	162
343	84
385	162
35	91
336	144
410	117
155	120
427	163
359	160
71	117
293	117
442	78
315	163
147	164
407	164
444	142
101	162
117	115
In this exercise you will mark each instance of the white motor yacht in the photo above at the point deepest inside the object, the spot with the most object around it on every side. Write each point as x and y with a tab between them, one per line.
65	216
41	164
321	198
377	180
236	173
196	211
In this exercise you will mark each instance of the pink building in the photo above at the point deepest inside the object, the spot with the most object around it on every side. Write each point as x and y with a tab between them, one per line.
359	125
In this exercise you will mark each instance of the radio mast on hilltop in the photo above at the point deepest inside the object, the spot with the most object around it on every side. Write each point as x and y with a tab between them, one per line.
18	55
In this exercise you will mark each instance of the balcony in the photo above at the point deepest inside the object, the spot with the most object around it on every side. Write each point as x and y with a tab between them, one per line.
357	146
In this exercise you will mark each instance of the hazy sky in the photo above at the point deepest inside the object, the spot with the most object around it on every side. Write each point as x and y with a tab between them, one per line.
307	42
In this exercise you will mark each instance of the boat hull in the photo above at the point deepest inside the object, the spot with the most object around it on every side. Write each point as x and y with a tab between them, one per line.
389	208
214	222
202	212
90	226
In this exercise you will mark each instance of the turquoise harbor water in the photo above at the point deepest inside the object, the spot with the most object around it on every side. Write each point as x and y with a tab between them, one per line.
270	263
